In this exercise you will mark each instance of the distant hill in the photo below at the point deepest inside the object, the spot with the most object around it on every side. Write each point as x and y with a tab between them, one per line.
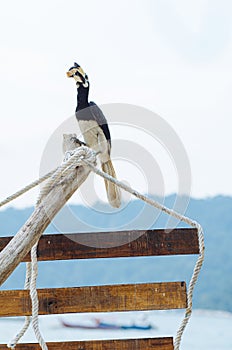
213	290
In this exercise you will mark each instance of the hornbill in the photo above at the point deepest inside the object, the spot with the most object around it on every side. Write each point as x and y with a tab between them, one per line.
95	130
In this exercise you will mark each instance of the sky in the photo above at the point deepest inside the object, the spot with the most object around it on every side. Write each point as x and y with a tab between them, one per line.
171	57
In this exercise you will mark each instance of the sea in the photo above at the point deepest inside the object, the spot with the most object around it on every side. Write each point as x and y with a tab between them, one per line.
206	330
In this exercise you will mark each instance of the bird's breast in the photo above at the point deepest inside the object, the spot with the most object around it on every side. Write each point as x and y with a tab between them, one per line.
95	138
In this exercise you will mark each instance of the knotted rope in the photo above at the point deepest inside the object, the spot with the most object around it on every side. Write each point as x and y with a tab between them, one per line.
84	156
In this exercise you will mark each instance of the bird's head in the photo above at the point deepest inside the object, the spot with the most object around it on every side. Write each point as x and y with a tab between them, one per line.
79	75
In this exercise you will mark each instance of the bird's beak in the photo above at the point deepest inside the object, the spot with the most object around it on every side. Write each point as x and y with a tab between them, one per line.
76	77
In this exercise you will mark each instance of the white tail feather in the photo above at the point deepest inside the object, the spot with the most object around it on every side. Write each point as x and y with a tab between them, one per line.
113	191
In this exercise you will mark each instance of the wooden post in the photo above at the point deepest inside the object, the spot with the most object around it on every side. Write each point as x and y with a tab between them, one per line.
34	227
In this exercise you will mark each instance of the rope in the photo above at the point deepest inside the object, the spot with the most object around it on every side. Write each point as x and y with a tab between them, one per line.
180	217
34	298
26	188
84	156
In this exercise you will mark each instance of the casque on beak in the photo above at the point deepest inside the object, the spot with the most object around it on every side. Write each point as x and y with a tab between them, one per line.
77	78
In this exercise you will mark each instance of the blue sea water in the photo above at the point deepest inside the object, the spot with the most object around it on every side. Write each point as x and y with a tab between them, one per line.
207	330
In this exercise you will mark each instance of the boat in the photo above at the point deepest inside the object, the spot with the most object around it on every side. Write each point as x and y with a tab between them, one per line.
106	326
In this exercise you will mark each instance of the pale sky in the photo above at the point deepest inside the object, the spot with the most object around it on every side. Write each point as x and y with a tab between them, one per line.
173	57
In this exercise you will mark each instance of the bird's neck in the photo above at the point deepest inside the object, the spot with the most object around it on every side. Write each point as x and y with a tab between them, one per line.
82	97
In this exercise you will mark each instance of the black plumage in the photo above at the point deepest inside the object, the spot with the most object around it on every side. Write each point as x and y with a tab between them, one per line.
93	112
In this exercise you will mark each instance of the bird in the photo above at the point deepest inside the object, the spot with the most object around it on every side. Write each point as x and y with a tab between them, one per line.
95	130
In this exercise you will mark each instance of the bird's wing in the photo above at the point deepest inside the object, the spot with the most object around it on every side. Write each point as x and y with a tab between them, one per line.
99	117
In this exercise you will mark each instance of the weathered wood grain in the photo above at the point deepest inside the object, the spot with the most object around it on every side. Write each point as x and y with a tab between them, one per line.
107	298
120	344
31	231
118	244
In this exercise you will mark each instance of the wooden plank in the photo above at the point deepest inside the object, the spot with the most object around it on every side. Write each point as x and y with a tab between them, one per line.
109	298
118	244
119	344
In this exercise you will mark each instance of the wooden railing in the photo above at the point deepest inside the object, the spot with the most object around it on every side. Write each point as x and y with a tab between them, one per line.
109	298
